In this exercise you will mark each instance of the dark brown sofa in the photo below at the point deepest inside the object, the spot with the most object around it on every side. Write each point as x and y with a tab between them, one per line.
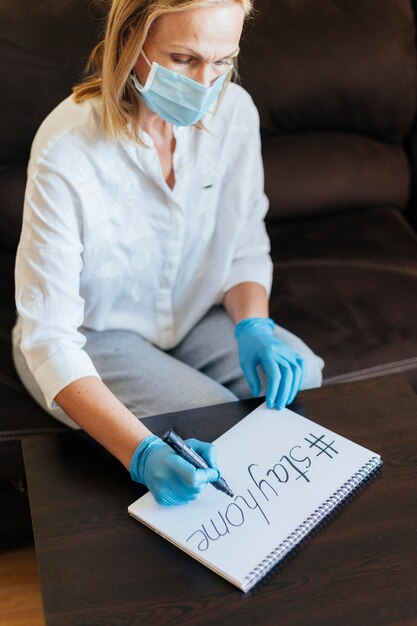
335	83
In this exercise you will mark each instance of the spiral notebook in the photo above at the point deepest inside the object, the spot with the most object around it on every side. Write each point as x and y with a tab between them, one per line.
287	474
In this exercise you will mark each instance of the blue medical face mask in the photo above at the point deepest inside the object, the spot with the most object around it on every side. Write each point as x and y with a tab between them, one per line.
179	100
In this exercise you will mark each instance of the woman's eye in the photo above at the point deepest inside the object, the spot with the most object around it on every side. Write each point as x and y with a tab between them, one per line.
188	61
181	61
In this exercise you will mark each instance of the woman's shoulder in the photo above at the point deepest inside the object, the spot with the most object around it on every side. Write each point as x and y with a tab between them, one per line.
236	115
69	127
238	103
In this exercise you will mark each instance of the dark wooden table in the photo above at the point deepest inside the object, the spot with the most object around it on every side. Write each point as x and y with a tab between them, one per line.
100	567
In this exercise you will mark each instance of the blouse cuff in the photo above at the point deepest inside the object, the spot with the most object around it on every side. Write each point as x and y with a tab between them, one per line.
60	370
252	271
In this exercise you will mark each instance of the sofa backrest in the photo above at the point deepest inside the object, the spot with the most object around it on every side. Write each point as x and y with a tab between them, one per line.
334	81
335	85
43	49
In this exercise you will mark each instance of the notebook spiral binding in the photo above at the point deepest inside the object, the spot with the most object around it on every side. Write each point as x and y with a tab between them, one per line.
311	522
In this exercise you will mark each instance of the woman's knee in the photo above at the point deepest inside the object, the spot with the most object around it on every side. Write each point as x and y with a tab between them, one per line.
312	372
313	364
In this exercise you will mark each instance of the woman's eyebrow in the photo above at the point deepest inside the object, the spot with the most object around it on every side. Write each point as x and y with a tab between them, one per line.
185	50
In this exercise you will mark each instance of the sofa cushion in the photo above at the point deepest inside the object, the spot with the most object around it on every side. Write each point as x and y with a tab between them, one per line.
347	284
319	172
380	235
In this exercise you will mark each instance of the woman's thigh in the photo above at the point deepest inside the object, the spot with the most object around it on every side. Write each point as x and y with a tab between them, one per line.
211	348
145	379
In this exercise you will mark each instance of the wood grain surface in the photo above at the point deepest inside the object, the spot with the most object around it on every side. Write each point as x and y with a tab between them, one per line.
100	567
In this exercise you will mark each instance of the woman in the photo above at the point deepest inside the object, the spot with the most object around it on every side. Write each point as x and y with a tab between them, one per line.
143	252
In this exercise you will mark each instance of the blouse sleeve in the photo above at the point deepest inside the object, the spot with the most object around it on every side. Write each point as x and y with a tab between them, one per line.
251	261
47	276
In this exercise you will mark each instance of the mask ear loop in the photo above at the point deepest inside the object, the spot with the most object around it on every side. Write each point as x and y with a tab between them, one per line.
146	58
141	88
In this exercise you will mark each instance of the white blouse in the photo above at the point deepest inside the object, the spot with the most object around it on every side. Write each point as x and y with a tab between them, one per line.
107	244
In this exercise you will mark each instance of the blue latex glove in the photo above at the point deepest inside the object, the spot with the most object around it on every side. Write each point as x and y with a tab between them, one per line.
283	367
170	478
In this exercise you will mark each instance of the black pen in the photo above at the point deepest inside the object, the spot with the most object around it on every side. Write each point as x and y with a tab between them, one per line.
190	455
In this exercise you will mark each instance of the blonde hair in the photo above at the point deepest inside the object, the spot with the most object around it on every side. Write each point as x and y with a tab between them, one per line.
111	61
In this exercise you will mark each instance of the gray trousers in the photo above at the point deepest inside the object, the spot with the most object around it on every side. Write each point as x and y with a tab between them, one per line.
202	370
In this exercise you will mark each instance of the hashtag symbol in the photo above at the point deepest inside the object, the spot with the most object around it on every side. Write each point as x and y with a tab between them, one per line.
318	442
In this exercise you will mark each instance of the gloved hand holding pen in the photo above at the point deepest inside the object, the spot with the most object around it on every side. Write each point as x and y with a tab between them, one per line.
284	368
170	478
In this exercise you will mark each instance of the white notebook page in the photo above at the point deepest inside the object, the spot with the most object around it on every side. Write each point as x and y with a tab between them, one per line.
281	468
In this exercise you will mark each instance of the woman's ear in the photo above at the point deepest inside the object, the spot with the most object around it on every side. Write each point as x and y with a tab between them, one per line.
126	35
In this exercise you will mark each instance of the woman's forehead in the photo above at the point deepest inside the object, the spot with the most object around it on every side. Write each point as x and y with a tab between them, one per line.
201	29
